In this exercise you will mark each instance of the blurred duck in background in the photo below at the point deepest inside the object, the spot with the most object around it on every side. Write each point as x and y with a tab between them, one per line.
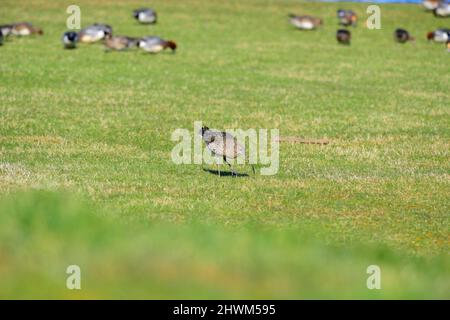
6	29
347	17
431	4
94	33
402	36
154	44
304	22
25	29
120	43
145	15
440	35
443	10
70	39
343	36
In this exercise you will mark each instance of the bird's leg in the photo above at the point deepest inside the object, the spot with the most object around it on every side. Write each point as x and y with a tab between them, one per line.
218	169
233	173
253	169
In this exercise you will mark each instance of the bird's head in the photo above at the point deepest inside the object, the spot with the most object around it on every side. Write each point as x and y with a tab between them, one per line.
72	36
203	130
107	34
430	35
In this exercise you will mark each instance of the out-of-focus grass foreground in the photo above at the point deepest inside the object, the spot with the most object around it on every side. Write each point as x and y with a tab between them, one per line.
87	179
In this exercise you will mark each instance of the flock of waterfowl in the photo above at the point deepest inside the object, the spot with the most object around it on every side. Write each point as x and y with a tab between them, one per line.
349	18
99	32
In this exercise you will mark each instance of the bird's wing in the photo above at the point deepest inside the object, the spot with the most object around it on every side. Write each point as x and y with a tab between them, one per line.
217	146
232	147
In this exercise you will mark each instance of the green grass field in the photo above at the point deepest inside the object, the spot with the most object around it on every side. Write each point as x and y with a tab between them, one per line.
91	131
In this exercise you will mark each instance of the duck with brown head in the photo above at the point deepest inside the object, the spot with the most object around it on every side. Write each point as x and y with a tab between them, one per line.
145	15
94	33
154	44
431	4
119	43
25	29
305	22
439	35
347	17
442	11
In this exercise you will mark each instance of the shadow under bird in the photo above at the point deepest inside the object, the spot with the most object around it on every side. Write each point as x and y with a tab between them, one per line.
439	35
120	43
304	22
154	44
94	33
224	145
343	36
145	15
347	17
25	29
70	39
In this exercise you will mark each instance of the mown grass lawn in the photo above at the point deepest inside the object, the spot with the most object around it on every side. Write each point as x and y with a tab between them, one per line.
98	125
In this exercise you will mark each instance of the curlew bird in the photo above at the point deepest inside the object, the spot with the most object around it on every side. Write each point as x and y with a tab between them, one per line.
154	44
145	15
304	22
94	33
120	43
347	17
223	144
25	29
69	40
402	36
343	36
439	35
